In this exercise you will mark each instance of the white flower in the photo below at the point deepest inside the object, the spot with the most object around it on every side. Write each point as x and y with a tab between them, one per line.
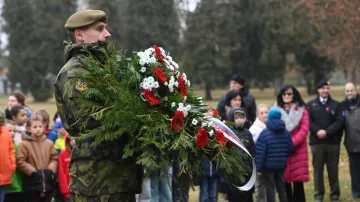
140	54
181	104
143	69
142	61
188	83
185	98
173	104
203	124
166	83
169	57
176	84
210	123
184	76
194	122
156	84
151	79
171	89
152	60
211	133
188	107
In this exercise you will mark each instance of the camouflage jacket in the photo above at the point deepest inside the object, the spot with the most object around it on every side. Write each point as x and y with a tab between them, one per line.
99	171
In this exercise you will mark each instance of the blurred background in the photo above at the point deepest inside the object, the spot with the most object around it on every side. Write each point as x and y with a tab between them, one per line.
270	42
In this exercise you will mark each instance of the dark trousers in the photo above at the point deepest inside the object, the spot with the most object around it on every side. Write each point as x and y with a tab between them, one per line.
180	188
16	196
274	181
326	154
295	192
39	197
235	195
354	161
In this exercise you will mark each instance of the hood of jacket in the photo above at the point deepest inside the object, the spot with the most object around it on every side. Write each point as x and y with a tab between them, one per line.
276	125
232	111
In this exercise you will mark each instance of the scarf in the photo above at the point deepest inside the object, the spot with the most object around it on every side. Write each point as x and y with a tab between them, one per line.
293	117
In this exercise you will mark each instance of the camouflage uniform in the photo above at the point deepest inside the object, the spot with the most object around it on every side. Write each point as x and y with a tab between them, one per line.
97	175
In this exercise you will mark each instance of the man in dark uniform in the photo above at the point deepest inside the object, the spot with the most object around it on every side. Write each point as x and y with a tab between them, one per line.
326	124
97	175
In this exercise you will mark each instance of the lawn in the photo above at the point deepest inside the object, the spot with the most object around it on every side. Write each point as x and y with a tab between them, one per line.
267	97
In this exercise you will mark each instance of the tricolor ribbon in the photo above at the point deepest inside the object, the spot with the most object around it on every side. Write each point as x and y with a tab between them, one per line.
230	135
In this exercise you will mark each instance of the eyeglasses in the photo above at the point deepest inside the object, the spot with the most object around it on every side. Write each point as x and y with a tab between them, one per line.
287	94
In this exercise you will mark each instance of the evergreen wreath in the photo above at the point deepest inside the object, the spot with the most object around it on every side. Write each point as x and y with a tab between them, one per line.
147	98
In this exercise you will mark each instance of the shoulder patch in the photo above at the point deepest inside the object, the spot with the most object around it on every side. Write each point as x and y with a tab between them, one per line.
81	86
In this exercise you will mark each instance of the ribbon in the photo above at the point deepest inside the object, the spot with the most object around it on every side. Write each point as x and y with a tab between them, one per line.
230	135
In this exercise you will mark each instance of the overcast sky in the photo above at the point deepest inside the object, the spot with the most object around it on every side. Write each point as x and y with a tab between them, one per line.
191	6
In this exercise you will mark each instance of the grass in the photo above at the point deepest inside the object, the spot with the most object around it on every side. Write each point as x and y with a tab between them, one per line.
267	97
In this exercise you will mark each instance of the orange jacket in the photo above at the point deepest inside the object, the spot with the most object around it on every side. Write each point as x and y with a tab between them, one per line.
7	157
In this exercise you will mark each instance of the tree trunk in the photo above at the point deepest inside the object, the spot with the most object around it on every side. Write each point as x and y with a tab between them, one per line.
308	83
208	92
279	82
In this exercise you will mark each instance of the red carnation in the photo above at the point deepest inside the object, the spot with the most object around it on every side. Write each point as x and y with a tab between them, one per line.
182	86
150	97
160	74
202	137
158	54
214	111
177	121
220	137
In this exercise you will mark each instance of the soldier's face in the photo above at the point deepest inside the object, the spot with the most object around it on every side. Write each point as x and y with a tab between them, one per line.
324	91
92	34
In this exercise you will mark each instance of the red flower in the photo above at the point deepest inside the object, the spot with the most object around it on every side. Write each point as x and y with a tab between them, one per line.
202	137
182	86
158	54
160	74
214	111
327	109
177	121
220	137
150	97
296	109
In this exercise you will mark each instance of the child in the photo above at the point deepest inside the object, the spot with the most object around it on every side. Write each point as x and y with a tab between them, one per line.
7	156
46	119
237	115
19	115
60	141
14	190
272	150
64	163
258	126
37	158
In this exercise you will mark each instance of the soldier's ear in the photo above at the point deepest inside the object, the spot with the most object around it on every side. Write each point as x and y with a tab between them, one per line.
79	37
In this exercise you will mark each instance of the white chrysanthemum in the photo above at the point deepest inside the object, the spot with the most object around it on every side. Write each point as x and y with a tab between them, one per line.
173	104
203	124
166	83
181	104
151	79
169	57
188	83
211	133
188	107
156	84
152	60
142	61
171	89
184	76
194	122
143	69
176	84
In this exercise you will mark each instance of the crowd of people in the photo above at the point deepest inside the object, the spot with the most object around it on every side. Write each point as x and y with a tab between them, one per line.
34	157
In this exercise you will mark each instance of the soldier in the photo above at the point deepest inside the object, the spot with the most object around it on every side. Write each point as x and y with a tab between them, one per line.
326	124
97	175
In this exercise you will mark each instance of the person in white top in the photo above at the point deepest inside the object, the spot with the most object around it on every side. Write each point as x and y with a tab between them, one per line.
260	122
255	130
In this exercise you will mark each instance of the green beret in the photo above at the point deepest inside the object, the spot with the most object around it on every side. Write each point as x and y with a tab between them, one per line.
84	18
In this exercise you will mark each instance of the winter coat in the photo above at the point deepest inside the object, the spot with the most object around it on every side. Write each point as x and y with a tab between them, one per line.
352	126
17	179
297	169
326	117
63	172
256	129
19	133
249	105
53	135
37	158
273	147
7	157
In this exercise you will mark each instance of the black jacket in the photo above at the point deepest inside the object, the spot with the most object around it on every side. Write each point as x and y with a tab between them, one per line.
326	117
249	105
351	112
40	181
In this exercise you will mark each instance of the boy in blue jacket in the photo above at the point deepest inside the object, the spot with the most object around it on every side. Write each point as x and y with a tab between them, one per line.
272	150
